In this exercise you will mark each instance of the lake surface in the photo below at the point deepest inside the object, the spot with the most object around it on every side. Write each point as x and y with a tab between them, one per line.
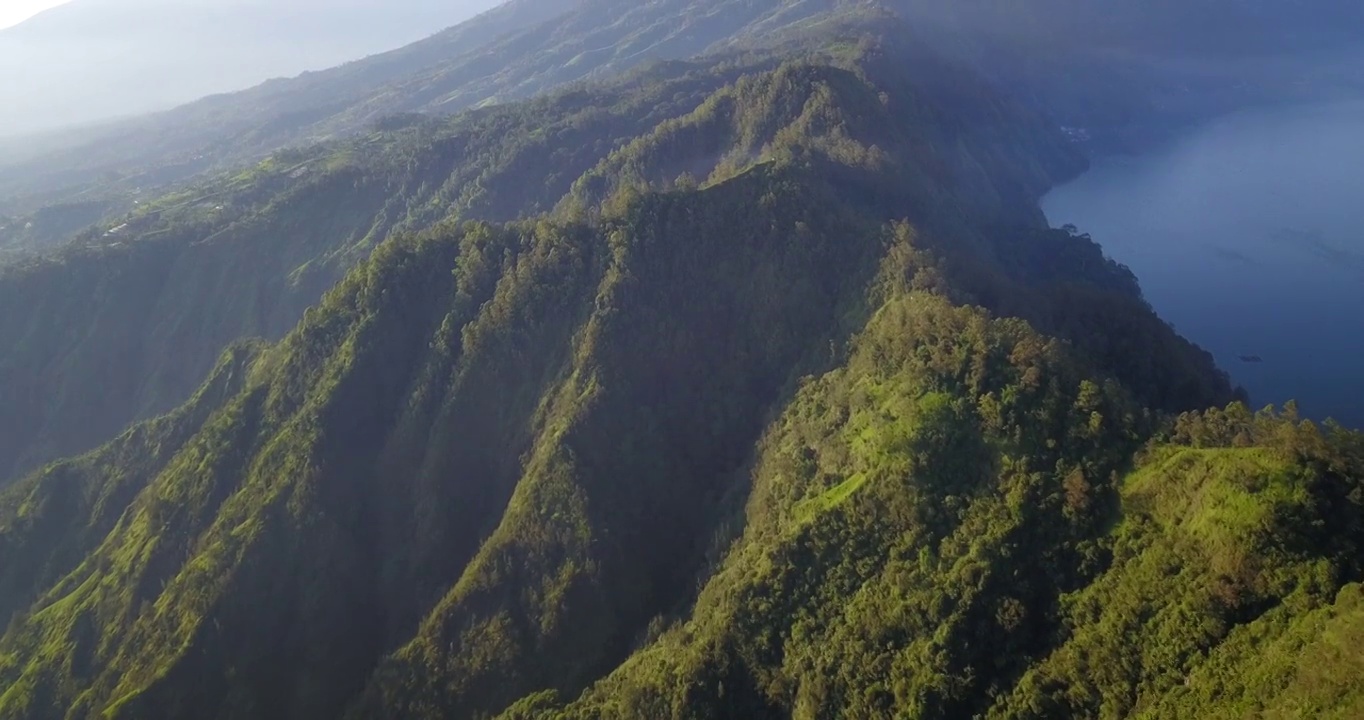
1248	237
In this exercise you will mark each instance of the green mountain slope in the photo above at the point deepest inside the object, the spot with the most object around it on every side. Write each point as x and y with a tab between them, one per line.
752	386
183	276
1234	545
900	504
244	254
920	586
497	457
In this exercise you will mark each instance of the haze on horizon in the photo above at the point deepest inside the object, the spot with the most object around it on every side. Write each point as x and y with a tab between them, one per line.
17	11
83	61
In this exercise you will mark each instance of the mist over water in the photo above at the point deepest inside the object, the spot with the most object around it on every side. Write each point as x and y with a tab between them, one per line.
1248	237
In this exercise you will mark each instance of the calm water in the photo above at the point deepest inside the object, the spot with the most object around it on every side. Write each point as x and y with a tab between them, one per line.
1248	237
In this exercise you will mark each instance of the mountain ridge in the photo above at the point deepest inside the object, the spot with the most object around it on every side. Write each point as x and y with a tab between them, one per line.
513	357
752	385
514	51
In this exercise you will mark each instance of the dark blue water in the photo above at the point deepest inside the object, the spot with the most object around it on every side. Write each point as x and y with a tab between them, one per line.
1248	237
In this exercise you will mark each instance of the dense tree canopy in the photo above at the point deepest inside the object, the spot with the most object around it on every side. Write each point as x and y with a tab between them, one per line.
746	388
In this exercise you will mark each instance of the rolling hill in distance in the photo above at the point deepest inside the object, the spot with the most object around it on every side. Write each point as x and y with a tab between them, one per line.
681	359
1176	64
92	61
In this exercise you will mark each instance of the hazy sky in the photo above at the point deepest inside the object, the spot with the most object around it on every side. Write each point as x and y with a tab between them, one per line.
101	59
13	12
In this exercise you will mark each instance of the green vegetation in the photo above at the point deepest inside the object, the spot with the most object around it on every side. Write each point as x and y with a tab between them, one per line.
244	255
1238	541
746	388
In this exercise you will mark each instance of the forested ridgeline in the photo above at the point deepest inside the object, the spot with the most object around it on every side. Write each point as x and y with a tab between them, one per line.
790	407
124	323
749	386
